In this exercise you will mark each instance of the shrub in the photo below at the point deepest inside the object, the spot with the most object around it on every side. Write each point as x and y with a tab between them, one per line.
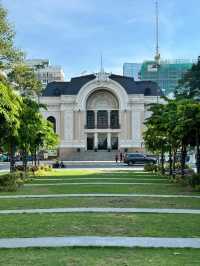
32	169
12	181
177	166
150	167
43	170
45	167
194	181
19	168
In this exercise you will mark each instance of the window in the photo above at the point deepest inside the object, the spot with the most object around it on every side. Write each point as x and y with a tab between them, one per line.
114	119
90	120
52	120
102	119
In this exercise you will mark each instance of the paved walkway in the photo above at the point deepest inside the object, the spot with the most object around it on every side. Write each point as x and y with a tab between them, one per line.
87	165
101	210
96	184
97	195
100	178
92	241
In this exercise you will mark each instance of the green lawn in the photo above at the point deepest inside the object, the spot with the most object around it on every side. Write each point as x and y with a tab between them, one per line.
90	172
104	180
140	189
100	224
98	174
3	172
99	257
129	202
158	186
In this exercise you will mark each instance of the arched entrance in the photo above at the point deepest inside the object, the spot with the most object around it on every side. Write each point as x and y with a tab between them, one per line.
102	119
52	120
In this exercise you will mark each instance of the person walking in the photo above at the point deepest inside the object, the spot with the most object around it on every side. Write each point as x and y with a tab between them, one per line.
116	157
121	157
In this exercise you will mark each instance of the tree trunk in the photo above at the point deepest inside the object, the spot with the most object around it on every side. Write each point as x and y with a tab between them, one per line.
170	160
38	157
162	161
35	156
174	162
25	160
183	157
12	157
198	153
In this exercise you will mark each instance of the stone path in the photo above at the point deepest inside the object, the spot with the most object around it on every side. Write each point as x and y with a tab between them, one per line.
96	195
92	241
96	184
101	210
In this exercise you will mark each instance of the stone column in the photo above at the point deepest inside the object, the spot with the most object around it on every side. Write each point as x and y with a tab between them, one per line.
109	140
109	119
62	125
96	140
68	125
95	119
137	124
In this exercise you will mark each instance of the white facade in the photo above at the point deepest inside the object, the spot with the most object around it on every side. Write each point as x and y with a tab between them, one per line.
101	97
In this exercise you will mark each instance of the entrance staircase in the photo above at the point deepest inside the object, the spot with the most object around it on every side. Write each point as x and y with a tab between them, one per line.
92	156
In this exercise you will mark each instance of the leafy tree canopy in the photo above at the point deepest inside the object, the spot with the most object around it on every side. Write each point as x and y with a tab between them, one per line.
189	85
8	53
10	108
24	80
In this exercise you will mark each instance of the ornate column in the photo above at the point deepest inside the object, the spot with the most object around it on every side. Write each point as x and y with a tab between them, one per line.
109	119
96	140
109	140
137	124
68	122
95	118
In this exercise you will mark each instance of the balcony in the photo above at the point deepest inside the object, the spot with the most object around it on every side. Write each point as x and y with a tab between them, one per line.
102	126
117	126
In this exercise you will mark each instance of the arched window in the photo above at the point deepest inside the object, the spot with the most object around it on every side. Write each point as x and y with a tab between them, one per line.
53	121
90	120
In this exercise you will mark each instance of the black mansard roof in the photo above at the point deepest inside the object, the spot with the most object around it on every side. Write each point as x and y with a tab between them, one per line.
148	88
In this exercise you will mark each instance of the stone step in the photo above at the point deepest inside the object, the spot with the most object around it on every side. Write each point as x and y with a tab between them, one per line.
92	156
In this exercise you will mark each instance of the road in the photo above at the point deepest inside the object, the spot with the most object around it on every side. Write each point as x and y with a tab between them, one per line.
4	166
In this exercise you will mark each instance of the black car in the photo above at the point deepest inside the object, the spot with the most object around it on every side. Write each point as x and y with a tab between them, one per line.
138	158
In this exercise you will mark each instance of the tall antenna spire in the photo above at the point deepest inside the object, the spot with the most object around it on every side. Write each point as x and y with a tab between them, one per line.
157	56
101	69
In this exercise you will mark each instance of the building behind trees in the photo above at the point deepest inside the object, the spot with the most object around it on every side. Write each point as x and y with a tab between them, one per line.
45	72
166	74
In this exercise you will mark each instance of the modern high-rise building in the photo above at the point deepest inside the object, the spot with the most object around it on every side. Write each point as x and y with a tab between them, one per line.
132	70
167	73
45	72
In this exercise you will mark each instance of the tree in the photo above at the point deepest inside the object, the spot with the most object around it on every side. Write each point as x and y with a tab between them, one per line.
154	135
10	107
44	138
174	126
24	80
189	85
8	53
21	123
34	132
169	120
189	127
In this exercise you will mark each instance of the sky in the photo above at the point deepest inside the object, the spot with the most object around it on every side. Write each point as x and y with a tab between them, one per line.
74	33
